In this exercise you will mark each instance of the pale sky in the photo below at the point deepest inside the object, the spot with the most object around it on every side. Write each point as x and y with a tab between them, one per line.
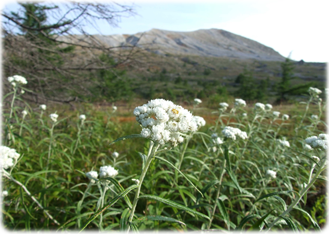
299	28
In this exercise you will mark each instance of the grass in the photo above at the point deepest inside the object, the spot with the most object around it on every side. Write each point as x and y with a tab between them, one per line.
197	185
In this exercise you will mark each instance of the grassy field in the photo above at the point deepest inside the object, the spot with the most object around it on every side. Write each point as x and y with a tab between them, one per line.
263	173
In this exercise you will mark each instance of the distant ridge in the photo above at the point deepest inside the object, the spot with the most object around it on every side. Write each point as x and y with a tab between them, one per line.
203	42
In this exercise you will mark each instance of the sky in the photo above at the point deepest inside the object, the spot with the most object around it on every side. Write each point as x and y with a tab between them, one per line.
295	29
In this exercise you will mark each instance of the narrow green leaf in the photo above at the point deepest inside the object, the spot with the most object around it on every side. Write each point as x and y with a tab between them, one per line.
315	224
124	219
290	223
173	204
222	210
25	207
164	218
234	179
227	157
7	214
126	137
133	227
179	172
112	201
120	188
246	219
259	222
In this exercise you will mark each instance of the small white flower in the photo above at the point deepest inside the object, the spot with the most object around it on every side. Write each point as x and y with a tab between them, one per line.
114	108
82	117
22	91
314	117
308	147
115	154
5	193
314	91
230	132
107	171
315	158
136	181
285	117
197	101
284	143
276	114
24	113
53	117
92	175
43	107
217	141
224	105
271	173
268	107
259	106
304	185
240	103
244	115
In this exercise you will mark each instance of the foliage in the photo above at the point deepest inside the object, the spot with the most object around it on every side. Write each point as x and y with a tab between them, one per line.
284	88
197	185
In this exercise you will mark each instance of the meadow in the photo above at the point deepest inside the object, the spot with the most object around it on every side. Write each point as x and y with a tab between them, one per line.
163	166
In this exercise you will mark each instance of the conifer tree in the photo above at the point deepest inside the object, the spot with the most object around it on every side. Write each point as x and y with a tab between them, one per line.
284	87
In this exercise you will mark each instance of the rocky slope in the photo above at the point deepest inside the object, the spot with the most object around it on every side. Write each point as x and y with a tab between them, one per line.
203	42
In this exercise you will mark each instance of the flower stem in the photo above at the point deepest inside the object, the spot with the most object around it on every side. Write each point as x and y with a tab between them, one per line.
295	202
151	153
29	194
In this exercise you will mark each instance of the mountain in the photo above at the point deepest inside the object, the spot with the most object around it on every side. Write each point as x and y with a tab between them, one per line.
203	42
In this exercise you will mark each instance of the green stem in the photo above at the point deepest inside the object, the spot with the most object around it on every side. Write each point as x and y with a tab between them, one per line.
12	103
152	151
6	174
217	196
295	202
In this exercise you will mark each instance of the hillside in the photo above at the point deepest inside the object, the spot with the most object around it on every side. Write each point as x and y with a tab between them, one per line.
203	42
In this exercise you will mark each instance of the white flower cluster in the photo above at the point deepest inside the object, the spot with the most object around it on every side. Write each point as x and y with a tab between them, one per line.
163	121
271	173
276	114
268	107
230	132
114	108
17	79
285	117
43	107
284	143
315	158
314	91
223	106
320	141
53	117
8	156
197	101
82	117
107	171
259	106
92	175
239	103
